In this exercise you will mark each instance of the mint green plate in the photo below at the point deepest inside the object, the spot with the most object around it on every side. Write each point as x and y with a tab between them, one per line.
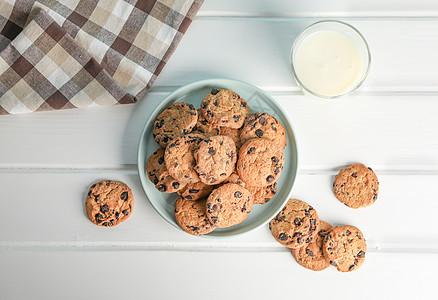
258	101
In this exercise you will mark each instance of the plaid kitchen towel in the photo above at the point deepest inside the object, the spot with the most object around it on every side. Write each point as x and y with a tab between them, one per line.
76	53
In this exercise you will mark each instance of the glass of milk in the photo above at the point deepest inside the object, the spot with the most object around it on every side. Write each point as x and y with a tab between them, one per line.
330	59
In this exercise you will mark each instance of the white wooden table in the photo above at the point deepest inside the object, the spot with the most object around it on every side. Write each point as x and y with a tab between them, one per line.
50	250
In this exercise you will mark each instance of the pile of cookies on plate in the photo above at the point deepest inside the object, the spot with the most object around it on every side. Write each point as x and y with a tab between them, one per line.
316	244
220	159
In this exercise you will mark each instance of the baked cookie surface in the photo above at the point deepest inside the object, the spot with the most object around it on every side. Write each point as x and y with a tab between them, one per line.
216	159
311	255
229	205
205	128
175	120
190	216
157	173
260	162
233	133
356	186
345	247
179	158
262	195
109	203
296	225
225	108
195	191
264	126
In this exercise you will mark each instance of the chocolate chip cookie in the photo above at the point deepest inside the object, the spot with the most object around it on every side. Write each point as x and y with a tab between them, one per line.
345	247
356	186
205	128
195	191
109	203
233	133
157	173
260	162
179	158
296	225
225	108
264	126
177	119
216	159
191	217
311	256
229	205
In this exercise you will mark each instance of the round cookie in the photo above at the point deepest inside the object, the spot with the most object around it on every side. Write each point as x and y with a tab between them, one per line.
216	159
260	162
295	225
191	217
109	203
195	191
229	205
233	133
179	158
177	119
264	126
205	128
356	186
158	174
311	256
262	195
345	247
225	108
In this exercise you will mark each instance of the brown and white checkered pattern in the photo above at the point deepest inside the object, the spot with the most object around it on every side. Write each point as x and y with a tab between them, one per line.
131	40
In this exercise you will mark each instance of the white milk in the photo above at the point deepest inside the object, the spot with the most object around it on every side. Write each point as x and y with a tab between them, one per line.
327	63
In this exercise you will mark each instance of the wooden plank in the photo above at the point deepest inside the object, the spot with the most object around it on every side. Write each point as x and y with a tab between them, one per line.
47	210
403	52
334	8
191	275
386	132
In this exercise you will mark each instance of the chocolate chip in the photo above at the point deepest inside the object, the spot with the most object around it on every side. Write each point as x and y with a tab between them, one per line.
155	180
277	170
193	191
262	120
351	267
361	254
214	91
243	103
270	178
297	221
165	139
211	151
274	159
308	214
259	132
238	194
251	150
215	103
282	237
244	207
347	232
354	175
370	169
299	240
175	184
161	188
124	196
105	224
375	197
104	208
223	174
297	234
98	217
213	180
210	114
214	207
204	105
322	233
309	252
213	219
236	118
313	221
332	263
116	214
125	211
188	197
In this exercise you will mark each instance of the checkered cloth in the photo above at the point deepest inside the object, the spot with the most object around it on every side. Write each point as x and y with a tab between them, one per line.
77	53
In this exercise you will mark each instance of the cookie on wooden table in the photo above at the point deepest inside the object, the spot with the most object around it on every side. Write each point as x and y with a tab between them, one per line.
345	247
264	126
195	191
179	158
296	225
311	255
177	119
229	205
157	173
190	216
260	162
215	159
225	108
109	203
356	186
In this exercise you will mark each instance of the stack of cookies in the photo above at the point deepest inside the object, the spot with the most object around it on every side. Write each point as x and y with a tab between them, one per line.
220	159
315	244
